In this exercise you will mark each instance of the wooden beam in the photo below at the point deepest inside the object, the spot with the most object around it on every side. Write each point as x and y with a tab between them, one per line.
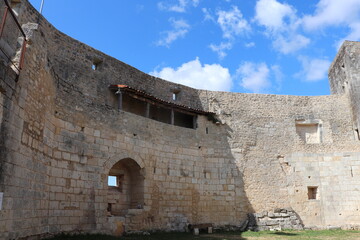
119	93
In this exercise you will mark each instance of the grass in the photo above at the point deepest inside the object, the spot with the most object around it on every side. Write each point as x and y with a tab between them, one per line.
264	235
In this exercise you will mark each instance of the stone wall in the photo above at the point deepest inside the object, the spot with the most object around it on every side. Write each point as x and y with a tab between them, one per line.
277	220
62	134
344	77
335	176
263	134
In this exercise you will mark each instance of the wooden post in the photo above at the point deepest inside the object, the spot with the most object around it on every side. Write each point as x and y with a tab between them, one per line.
119	99
172	116
147	114
194	121
3	21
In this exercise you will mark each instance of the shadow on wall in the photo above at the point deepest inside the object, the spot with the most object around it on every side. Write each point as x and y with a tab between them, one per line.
175	175
191	178
7	82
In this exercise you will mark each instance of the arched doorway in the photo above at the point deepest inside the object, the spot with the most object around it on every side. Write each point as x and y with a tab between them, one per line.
125	187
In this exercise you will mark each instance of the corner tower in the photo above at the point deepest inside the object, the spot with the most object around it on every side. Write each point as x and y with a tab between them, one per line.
344	78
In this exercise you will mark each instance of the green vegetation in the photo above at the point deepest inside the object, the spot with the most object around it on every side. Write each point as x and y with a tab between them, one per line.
265	235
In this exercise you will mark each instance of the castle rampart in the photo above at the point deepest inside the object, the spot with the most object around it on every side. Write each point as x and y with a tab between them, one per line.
63	134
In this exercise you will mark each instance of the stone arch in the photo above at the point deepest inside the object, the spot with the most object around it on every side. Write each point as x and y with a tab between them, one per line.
123	155
127	192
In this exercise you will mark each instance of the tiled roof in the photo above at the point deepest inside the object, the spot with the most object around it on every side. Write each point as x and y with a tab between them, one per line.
145	95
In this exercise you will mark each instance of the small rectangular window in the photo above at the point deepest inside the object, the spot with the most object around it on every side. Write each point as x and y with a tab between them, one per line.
174	96
96	64
312	193
112	181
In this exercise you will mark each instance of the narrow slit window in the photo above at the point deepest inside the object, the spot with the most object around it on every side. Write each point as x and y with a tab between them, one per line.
174	96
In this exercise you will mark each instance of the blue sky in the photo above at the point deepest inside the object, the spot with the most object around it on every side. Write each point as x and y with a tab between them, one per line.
261	46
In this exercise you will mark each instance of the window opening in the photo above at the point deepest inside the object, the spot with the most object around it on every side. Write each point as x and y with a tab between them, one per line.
96	63
175	93
312	193
112	181
183	120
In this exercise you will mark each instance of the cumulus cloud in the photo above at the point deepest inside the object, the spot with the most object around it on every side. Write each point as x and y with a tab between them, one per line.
254	77
197	75
333	12
291	43
281	24
232	23
330	13
180	29
273	15
354	34
220	49
313	69
180	6
257	77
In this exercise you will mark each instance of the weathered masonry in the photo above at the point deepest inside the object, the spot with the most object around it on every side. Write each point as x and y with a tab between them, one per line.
91	144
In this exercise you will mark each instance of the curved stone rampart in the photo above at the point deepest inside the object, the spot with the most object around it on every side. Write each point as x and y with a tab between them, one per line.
62	132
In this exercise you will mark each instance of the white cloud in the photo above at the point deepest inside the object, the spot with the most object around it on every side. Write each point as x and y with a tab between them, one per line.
232	23
180	29
195	3
220	49
354	34
272	14
179	7
313	69
281	24
333	12
290	43
254	77
207	15
250	44
197	75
